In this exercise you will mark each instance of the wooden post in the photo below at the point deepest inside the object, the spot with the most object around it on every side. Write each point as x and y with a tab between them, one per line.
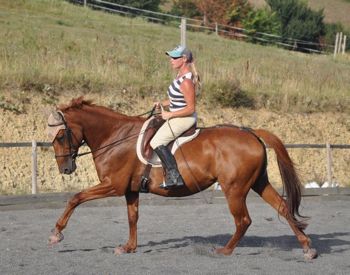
344	44
340	42
85	3
34	167
216	28
329	165
183	32
336	44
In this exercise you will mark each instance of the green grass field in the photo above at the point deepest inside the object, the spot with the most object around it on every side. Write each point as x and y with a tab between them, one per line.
51	46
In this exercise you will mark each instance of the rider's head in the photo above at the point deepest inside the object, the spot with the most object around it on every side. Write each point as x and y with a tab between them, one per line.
180	52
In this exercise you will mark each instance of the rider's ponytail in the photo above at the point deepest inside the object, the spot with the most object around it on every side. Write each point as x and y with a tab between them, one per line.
196	78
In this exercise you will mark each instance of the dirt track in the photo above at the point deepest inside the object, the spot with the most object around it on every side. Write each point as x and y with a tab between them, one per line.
175	237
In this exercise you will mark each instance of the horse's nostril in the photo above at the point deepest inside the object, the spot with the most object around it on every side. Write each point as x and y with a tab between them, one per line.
66	170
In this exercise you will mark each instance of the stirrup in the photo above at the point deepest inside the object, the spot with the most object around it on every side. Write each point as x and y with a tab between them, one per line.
163	185
167	187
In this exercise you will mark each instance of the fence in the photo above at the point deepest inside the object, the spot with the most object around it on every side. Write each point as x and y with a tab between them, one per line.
34	157
198	25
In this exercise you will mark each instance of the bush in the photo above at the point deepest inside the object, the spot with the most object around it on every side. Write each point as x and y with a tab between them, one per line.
152	5
186	8
261	20
299	22
227	93
331	32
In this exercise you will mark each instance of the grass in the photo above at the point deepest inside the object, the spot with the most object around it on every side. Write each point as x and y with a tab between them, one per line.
51	46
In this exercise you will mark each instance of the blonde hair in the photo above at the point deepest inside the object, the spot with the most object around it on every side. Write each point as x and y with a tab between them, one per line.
196	78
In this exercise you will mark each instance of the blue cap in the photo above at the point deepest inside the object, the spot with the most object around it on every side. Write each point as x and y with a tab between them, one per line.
180	51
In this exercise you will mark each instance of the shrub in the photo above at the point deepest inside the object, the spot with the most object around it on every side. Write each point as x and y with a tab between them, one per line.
261	20
228	93
331	31
152	5
185	8
299	22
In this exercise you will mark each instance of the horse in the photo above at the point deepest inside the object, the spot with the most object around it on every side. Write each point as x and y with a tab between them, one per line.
233	156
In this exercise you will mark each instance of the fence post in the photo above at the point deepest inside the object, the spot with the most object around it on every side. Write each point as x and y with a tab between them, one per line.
85	3
336	44
329	164
183	32
34	167
340	42
344	44
216	28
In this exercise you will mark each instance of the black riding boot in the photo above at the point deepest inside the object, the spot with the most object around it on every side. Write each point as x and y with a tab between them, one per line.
172	175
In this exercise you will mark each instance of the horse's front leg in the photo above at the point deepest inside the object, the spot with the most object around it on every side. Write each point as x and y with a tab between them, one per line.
101	190
132	199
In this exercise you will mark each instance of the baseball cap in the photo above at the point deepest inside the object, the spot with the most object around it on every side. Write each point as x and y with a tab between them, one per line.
179	51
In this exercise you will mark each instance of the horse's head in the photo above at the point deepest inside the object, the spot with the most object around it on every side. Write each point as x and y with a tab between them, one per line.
66	138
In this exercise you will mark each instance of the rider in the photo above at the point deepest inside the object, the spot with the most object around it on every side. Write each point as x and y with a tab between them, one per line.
182	111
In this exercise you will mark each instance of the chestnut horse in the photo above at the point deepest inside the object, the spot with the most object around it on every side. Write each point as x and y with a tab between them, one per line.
235	157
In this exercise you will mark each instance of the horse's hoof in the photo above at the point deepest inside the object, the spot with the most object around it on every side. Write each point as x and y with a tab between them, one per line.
310	254
55	238
223	251
122	250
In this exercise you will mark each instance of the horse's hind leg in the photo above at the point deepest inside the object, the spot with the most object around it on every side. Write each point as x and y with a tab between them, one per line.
238	208
101	190
270	195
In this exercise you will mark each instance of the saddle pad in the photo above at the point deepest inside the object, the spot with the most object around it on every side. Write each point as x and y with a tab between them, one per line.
155	161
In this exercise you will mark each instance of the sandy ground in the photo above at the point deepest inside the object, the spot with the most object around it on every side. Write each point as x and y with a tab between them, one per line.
175	237
317	128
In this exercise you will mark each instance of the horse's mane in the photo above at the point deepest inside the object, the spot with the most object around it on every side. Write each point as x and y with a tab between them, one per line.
80	102
76	103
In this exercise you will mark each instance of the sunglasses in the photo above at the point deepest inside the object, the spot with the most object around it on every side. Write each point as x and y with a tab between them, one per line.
174	58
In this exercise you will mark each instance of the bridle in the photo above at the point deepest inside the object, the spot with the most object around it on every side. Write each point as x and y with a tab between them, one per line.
68	133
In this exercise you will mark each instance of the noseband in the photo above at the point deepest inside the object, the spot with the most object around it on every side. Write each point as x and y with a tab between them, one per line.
73	150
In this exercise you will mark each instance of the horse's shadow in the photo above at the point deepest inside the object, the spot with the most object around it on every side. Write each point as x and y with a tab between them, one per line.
324	243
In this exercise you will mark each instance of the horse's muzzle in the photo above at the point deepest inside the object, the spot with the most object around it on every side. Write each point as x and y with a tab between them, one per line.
68	168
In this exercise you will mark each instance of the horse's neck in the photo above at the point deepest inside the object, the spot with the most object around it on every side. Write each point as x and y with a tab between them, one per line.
102	127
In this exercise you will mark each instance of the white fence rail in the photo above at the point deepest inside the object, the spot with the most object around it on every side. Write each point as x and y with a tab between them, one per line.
34	157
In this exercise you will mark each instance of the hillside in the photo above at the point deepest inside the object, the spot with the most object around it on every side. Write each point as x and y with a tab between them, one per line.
51	51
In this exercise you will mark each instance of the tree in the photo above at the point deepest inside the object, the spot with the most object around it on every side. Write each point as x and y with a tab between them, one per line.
263	21
299	22
226	12
186	8
152	5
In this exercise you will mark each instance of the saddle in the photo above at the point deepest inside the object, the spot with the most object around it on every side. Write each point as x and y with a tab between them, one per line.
150	127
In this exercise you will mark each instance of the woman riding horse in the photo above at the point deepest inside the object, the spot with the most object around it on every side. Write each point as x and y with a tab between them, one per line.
182	116
235	157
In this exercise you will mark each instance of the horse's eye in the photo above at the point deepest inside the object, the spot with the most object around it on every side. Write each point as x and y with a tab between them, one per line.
60	138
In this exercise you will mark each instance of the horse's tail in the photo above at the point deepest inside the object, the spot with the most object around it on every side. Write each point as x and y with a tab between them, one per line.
291	182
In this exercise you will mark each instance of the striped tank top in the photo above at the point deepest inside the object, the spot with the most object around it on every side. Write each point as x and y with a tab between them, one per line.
176	97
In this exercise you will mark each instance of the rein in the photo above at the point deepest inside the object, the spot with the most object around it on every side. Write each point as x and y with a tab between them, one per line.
74	154
117	142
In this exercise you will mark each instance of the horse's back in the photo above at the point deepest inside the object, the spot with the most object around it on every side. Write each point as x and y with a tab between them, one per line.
224	151
227	137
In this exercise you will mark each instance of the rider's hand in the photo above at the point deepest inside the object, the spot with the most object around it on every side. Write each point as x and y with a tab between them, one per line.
166	115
